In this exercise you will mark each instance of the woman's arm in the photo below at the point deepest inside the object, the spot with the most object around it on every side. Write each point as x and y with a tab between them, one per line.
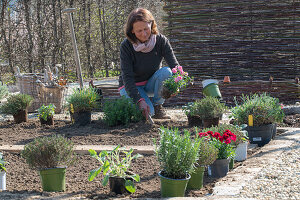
167	52
127	72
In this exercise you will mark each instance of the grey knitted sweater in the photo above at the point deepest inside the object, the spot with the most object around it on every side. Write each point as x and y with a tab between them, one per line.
138	67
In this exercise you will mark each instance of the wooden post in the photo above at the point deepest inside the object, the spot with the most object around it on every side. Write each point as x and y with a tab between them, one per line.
76	55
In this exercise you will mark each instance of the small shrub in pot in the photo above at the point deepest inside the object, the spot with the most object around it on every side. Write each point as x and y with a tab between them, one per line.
50	156
17	105
177	154
46	113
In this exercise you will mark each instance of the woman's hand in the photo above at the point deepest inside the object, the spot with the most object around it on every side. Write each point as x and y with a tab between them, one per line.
144	108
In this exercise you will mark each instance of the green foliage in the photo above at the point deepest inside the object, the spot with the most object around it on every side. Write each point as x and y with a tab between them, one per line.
3	91
16	103
49	152
46	111
264	108
121	111
241	136
176	153
206	108
2	163
112	164
208	153
83	100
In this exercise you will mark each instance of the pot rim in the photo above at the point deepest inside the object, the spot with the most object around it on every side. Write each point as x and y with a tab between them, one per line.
159	174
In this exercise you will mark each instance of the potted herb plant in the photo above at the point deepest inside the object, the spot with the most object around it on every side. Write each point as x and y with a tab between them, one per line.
17	105
207	155
46	113
191	111
210	109
2	173
81	103
121	112
175	83
115	167
177	154
263	111
220	167
50	156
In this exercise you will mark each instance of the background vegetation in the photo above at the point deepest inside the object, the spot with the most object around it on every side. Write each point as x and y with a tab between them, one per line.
35	34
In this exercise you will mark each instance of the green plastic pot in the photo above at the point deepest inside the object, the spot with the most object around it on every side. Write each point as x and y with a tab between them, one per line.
196	181
53	179
173	187
212	90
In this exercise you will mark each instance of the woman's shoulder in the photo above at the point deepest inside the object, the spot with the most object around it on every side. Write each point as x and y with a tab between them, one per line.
161	38
126	44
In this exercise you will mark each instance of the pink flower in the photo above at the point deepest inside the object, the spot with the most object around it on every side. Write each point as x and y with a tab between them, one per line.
174	70
181	72
176	79
179	78
281	106
179	67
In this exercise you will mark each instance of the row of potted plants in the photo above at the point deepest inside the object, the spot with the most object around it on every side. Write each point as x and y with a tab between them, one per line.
260	112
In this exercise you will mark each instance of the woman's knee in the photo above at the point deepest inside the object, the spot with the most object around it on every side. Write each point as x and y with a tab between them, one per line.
166	72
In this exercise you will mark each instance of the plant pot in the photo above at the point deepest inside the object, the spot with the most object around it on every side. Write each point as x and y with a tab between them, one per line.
196	181
21	116
219	168
172	187
274	130
165	93
194	120
260	135
53	179
49	121
207	123
117	185
2	180
231	163
241	151
82	118
211	88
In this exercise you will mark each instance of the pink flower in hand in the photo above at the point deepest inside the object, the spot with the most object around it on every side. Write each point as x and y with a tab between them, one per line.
174	70
179	68
179	78
176	79
181	72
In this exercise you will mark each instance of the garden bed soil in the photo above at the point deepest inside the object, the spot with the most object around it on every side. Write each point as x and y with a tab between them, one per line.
21	180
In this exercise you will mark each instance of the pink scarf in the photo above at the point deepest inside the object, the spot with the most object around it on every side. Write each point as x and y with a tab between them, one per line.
146	46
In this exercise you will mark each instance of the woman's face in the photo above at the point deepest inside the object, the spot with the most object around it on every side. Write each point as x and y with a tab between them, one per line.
142	30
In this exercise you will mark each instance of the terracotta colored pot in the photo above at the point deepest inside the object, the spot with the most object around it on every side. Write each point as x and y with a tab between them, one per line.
21	116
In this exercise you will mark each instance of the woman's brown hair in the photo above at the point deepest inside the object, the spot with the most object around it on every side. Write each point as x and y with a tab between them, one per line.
139	14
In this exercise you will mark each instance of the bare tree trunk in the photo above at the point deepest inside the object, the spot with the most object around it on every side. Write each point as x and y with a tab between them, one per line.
30	40
41	39
87	35
55	38
101	12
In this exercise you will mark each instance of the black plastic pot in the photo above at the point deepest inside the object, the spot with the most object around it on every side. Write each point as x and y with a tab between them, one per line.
194	120
49	121
82	118
117	185
21	116
207	123
260	135
274	130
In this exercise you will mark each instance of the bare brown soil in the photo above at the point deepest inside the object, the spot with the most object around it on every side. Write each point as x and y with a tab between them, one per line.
25	182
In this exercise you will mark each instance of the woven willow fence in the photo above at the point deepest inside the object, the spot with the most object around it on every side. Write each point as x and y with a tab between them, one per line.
247	40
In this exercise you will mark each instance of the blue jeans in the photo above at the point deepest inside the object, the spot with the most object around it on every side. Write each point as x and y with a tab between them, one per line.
152	88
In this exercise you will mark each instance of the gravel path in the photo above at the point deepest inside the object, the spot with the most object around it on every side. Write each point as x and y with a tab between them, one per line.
280	180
